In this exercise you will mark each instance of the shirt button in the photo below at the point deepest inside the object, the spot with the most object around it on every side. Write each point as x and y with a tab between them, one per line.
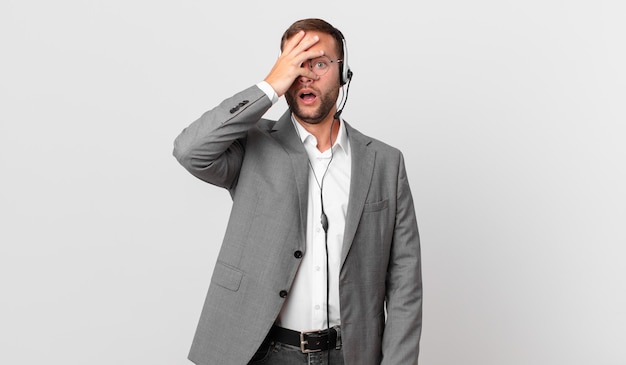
283	293
297	254
317	268
317	307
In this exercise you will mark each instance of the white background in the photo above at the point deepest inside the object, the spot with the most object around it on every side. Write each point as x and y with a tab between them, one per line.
511	115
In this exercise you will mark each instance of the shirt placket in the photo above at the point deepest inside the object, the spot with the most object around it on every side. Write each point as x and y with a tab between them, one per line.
318	268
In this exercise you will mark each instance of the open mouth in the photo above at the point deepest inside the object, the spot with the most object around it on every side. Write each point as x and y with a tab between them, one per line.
307	97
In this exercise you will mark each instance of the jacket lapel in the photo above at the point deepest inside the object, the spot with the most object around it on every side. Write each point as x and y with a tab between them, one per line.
285	134
361	176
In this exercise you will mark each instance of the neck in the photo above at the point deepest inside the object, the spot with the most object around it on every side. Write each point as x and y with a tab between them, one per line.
322	131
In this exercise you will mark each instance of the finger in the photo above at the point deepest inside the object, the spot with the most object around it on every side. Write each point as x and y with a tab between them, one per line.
292	42
300	43
307	42
306	72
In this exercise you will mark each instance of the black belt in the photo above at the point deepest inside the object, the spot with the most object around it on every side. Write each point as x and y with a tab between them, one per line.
312	341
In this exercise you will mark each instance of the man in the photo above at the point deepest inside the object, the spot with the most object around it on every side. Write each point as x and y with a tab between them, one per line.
321	257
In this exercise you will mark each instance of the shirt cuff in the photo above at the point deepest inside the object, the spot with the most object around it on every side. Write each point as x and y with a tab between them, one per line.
268	90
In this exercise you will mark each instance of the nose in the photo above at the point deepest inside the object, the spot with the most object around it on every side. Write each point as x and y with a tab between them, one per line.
305	80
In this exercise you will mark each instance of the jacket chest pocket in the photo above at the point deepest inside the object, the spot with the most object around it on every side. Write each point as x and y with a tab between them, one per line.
226	276
376	206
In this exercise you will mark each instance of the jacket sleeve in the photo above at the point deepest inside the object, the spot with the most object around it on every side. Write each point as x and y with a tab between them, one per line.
212	147
403	325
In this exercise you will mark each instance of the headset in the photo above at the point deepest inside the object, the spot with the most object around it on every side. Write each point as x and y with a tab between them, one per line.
345	75
346	72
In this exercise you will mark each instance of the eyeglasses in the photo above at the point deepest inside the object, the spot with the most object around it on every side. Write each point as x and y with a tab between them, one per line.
321	64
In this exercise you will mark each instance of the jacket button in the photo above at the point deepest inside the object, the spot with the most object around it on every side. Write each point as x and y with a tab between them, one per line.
297	254
283	294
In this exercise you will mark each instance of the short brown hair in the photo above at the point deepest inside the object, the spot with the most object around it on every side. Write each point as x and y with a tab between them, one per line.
317	25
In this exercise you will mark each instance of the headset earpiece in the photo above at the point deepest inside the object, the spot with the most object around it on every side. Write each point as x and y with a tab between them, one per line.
346	73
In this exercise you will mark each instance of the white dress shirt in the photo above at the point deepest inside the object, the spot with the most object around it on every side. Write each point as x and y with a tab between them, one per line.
305	308
329	171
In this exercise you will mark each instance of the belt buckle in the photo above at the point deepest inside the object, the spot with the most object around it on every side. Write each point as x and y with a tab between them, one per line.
304	342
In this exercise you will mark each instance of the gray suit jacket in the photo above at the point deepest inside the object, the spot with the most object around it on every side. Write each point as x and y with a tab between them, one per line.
264	166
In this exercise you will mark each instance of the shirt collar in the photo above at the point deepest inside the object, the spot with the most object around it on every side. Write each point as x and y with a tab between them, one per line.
342	137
